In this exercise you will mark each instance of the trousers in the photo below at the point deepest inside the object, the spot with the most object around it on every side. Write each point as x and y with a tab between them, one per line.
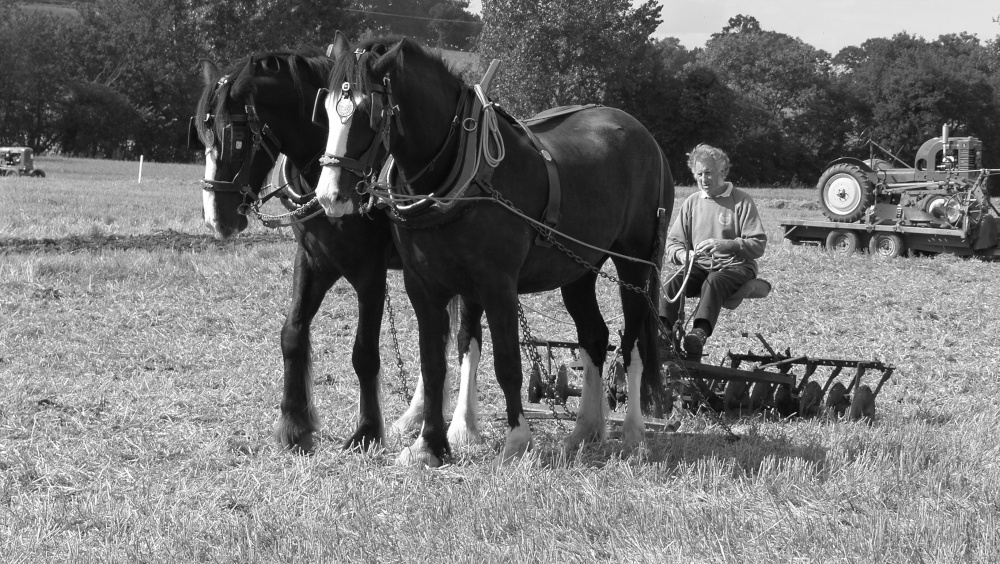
714	287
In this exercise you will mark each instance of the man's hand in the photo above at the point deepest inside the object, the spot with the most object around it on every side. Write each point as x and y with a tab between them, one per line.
722	246
682	257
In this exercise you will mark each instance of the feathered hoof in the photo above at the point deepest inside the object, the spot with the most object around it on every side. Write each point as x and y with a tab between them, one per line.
418	454
406	425
633	435
463	435
295	438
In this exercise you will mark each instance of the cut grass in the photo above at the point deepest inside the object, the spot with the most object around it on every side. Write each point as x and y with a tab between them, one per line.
141	383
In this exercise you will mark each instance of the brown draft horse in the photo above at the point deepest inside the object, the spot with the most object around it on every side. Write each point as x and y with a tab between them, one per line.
613	177
247	114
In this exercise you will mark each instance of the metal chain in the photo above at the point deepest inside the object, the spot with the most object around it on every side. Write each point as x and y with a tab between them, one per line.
395	344
527	343
547	233
272	221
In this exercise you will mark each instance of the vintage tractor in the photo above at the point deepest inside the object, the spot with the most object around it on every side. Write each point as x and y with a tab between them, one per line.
940	204
17	161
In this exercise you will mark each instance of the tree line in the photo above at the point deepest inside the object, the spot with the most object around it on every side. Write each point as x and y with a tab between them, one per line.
118	78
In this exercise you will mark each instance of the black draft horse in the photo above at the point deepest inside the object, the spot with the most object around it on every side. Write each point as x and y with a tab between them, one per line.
262	105
613	176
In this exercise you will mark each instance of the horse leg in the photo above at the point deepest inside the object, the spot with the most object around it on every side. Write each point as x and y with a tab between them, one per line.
639	355
501	312
464	428
580	298
365	358
413	418
299	420
432	322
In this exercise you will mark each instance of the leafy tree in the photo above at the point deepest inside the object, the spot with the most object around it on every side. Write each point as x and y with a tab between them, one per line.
33	46
454	27
231	29
558	52
792	116
912	87
439	23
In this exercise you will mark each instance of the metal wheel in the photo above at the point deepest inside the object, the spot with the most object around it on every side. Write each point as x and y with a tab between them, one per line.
888	245
845	192
843	241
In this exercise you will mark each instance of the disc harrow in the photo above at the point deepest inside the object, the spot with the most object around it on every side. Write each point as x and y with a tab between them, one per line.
775	384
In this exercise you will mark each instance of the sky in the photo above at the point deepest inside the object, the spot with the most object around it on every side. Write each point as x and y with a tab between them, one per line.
830	25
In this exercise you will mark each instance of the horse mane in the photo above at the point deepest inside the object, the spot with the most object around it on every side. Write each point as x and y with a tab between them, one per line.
358	70
306	66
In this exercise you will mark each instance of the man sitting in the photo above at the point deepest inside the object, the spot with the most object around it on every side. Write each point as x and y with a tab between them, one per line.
719	229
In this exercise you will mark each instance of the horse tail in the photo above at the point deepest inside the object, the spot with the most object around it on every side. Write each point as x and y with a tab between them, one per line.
655	398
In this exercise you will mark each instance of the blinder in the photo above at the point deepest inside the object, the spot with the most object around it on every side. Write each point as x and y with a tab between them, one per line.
234	139
193	138
319	109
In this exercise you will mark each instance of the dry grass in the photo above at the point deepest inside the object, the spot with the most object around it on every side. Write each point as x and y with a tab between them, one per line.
140	385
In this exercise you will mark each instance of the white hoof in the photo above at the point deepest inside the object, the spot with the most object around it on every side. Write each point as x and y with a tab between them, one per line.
418	454
461	434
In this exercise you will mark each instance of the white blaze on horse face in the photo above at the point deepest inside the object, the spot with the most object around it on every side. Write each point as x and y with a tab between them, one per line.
207	196
328	189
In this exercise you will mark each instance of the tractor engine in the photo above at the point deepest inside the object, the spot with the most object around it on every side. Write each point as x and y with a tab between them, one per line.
945	187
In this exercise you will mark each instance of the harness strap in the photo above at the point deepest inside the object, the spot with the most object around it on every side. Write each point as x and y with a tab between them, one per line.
551	214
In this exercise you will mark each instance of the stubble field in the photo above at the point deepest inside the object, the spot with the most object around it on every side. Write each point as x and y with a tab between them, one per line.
140	375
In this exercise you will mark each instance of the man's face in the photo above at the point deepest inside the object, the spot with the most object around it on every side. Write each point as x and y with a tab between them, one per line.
709	177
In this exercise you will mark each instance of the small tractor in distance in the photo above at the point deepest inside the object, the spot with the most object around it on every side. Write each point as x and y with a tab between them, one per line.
939	205
18	161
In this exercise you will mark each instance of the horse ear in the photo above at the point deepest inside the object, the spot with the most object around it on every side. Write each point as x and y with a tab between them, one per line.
270	65
339	47
383	63
209	72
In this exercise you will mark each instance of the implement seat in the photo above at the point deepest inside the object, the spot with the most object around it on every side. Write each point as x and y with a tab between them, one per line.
752	290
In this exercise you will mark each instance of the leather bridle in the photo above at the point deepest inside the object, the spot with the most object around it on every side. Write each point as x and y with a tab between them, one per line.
261	137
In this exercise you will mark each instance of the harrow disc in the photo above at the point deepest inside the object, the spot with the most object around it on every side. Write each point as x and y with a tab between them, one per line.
810	400
863	404
837	400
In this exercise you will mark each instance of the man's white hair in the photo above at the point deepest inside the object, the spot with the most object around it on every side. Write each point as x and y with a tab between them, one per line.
704	151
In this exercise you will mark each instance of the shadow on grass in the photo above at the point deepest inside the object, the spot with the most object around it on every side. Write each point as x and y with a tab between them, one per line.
673	450
160	240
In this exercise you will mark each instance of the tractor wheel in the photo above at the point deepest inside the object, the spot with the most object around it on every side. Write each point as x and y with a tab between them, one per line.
887	245
10	173
843	241
845	193
37	173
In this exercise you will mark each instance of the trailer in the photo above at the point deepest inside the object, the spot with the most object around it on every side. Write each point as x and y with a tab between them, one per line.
892	240
939	205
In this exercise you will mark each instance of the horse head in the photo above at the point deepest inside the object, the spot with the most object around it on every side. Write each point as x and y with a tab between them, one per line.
374	100
246	116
